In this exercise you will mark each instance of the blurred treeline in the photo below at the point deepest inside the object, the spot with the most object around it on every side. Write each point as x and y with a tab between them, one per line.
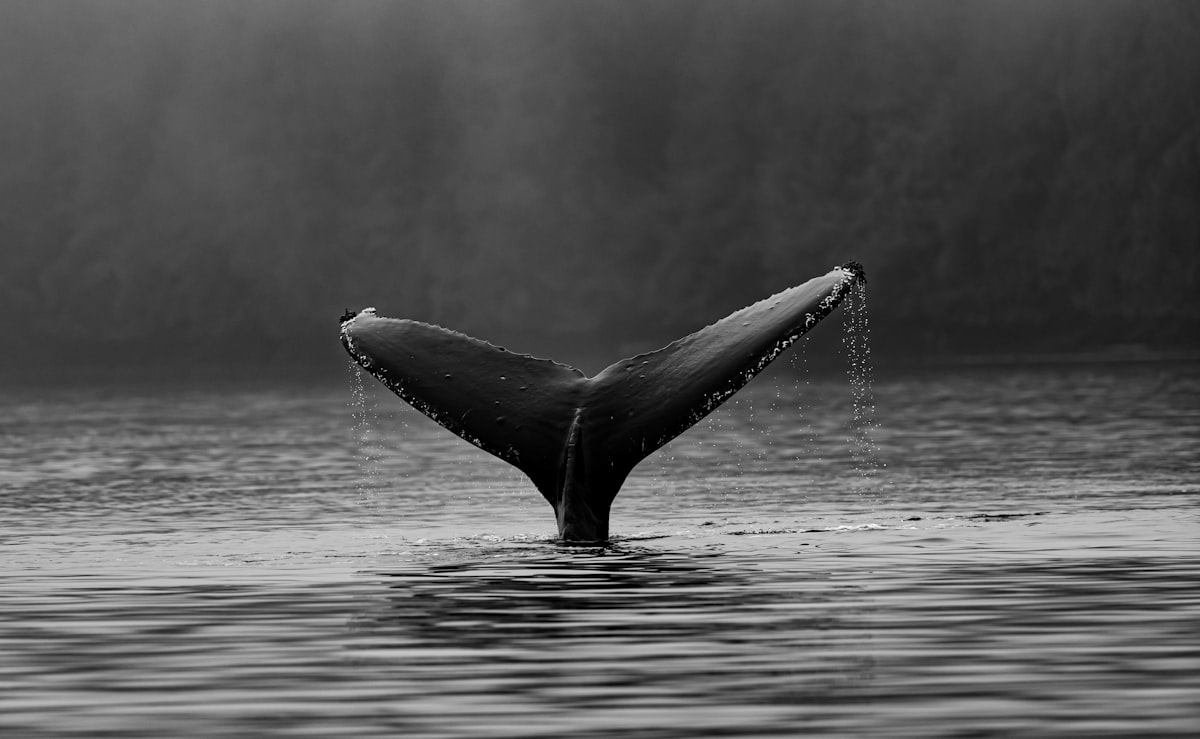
217	181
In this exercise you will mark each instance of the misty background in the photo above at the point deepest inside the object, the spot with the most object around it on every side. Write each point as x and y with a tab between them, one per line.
213	183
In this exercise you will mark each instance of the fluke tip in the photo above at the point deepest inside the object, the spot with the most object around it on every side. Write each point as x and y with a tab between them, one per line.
857	269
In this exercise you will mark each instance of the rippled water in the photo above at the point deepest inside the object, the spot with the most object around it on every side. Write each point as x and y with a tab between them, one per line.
1021	558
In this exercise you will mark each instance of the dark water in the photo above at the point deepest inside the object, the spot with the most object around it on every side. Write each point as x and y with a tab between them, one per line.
1021	557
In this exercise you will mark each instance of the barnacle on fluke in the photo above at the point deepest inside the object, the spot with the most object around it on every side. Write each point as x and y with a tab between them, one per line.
578	437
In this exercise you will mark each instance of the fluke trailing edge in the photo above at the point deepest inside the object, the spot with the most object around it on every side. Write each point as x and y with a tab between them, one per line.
578	437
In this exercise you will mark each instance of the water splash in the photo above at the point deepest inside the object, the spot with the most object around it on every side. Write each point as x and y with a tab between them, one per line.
857	342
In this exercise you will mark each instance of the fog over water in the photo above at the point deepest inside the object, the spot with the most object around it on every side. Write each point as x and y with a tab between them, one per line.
215	182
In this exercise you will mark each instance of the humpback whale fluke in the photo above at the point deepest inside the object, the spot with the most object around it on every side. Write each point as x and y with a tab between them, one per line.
578	437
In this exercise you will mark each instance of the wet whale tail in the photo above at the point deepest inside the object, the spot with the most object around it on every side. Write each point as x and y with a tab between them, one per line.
578	437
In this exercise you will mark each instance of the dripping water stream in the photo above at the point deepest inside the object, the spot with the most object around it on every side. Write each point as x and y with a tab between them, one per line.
861	374
366	435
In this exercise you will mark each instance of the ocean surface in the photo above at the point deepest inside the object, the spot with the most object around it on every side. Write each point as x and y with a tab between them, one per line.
989	552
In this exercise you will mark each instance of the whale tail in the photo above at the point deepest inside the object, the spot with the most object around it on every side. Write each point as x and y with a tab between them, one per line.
575	437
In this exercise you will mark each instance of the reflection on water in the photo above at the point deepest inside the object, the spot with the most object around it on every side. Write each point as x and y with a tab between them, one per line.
705	643
667	644
217	564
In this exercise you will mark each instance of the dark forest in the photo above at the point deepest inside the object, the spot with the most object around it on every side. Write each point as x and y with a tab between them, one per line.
214	183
